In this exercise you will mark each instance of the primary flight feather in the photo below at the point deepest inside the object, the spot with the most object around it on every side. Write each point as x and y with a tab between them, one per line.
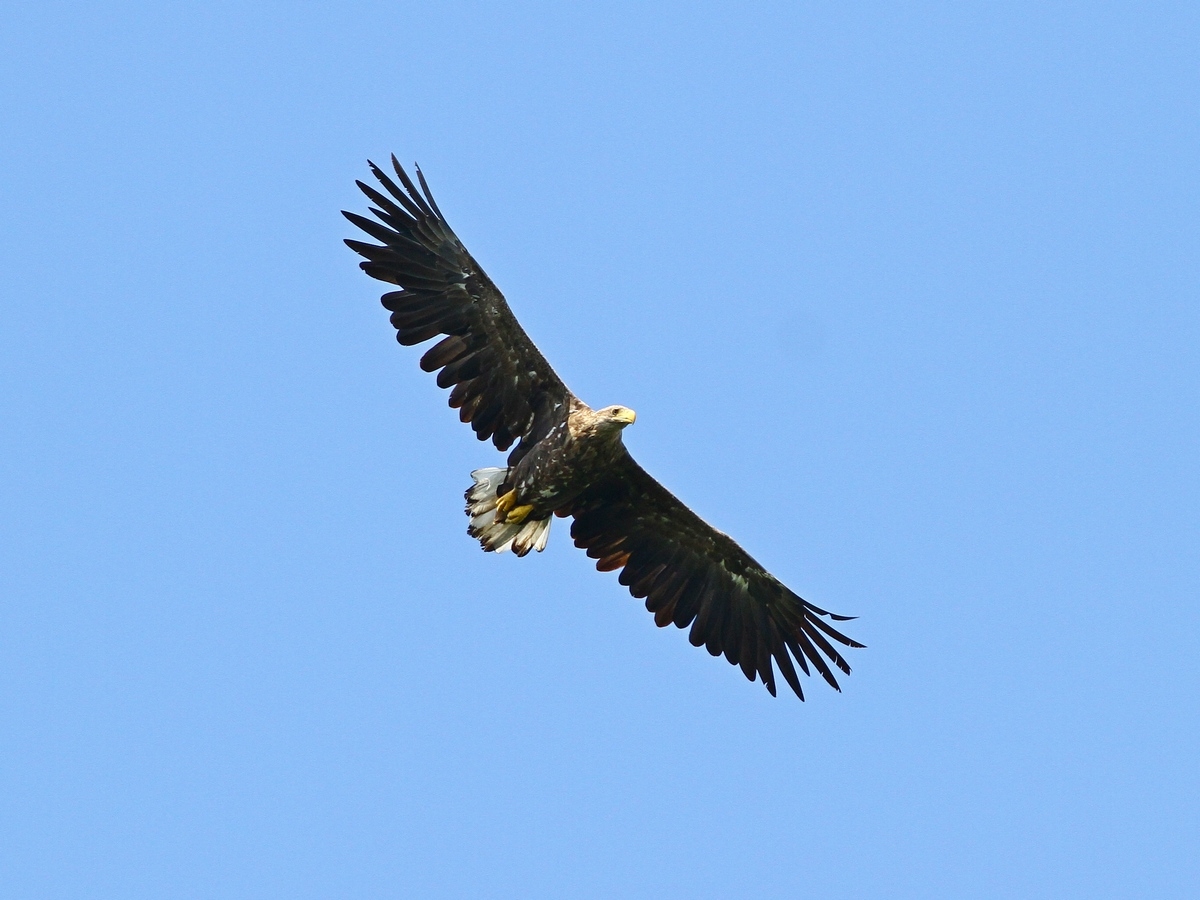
569	460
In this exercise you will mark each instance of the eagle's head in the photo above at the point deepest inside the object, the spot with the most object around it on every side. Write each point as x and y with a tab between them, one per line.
605	424
616	417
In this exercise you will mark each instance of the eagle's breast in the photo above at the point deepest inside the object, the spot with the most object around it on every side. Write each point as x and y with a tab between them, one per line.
562	465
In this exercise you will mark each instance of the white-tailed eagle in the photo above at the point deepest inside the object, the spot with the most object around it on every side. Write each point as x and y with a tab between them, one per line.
569	459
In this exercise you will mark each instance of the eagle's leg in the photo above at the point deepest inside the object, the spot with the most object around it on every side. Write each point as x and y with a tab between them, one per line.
518	514
504	503
508	511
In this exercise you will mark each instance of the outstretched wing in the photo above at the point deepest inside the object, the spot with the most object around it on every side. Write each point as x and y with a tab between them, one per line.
501	382
692	574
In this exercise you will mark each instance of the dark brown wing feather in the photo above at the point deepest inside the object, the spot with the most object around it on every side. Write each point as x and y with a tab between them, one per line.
691	574
501	382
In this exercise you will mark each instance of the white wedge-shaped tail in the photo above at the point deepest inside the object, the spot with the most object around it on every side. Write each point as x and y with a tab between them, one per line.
496	537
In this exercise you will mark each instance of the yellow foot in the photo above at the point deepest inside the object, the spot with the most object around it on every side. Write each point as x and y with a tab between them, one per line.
518	514
504	504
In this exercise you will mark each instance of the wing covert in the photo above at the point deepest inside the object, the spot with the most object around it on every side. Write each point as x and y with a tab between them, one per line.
692	574
501	384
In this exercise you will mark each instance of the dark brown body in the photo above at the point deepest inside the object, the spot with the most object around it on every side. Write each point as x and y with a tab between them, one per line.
572	456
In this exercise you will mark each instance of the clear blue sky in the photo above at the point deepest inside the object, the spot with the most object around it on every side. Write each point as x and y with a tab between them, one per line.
905	296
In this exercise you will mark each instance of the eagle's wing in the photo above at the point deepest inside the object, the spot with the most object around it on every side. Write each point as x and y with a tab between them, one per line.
502	384
692	574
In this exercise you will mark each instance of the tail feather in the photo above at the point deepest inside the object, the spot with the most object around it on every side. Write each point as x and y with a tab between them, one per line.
497	537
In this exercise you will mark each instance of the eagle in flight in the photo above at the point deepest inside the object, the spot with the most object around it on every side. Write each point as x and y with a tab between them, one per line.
569	459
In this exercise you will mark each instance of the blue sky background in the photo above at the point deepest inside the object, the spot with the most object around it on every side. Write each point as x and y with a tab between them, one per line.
905	297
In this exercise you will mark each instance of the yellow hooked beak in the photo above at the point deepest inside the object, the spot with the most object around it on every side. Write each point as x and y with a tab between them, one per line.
625	415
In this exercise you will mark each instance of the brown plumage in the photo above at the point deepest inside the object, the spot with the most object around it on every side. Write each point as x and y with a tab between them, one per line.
570	460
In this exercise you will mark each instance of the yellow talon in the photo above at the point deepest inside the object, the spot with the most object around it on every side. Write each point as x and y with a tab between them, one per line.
517	515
